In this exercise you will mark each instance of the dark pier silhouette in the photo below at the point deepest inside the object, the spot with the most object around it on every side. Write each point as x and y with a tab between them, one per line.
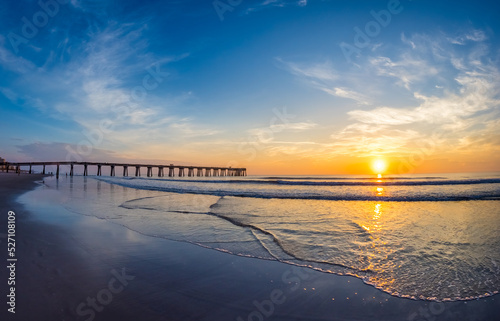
161	169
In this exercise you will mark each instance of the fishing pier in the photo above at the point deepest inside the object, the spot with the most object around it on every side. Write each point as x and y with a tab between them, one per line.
160	170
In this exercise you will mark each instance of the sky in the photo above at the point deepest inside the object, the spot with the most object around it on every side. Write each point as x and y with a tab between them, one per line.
276	86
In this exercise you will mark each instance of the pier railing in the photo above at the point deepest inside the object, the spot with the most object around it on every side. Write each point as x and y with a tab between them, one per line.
161	169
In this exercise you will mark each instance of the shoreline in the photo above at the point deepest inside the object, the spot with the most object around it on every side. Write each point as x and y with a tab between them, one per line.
65	258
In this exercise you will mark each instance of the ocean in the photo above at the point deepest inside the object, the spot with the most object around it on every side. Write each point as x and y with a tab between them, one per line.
430	237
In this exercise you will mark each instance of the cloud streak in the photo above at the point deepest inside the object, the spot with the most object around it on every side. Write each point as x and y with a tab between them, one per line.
273	4
324	77
107	81
457	115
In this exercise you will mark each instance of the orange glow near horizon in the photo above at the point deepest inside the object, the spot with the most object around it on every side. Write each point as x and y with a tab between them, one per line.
379	166
331	164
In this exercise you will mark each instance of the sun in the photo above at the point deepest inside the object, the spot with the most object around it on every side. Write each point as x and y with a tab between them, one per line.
379	166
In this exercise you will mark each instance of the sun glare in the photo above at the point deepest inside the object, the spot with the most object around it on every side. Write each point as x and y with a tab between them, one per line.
379	166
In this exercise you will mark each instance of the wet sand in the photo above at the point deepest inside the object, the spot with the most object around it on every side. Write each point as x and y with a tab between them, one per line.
74	267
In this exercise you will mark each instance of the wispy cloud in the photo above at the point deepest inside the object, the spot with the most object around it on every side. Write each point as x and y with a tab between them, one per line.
473	35
461	111
368	140
187	129
478	93
407	70
293	126
324	77
23	100
453	99
102	71
274	3
319	71
110	76
349	94
13	62
267	134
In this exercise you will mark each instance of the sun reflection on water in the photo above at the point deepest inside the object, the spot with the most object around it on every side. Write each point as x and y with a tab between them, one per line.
375	252
377	211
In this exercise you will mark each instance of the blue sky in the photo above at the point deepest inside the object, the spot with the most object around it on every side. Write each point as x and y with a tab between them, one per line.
262	84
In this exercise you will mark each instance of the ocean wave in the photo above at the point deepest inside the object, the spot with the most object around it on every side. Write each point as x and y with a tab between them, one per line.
321	182
167	186
352	178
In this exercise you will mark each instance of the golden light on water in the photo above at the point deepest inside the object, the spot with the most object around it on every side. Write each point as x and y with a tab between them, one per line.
378	211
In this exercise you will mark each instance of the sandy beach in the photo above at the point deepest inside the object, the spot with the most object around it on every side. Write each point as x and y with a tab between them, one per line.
75	267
